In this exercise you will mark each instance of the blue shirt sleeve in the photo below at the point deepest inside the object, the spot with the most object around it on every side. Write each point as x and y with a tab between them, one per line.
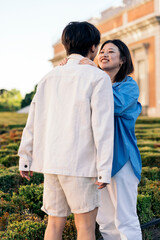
126	95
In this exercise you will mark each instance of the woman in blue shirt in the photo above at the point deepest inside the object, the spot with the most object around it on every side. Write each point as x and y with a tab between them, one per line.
117	215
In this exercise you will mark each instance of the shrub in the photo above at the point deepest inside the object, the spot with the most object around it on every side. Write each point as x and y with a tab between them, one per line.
70	232
10	179
5	196
34	230
147	127
5	152
4	221
150	159
152	188
151	144
25	229
33	196
19	126
23	216
10	182
14	204
10	160
148	136
148	120
151	173
13	146
145	150
144	208
3	130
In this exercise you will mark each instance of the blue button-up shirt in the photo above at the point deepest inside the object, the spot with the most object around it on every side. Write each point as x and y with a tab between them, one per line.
126	110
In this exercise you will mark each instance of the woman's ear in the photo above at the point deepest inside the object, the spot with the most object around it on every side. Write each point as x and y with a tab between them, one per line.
122	61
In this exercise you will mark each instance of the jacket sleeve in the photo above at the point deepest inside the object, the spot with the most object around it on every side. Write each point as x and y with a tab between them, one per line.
26	145
125	96
103	127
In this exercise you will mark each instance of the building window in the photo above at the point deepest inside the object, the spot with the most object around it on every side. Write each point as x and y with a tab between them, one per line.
140	56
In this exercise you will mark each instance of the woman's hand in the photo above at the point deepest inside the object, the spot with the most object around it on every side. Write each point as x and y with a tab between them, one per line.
87	61
84	60
64	61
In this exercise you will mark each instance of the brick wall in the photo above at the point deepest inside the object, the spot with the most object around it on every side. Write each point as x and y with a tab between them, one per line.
141	11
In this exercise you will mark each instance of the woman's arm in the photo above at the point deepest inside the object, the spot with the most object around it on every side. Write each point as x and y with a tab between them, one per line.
84	60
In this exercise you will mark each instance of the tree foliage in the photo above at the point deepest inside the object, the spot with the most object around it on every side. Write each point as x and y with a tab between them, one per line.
10	101
28	98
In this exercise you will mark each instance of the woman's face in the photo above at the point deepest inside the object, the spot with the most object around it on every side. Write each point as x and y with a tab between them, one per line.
109	58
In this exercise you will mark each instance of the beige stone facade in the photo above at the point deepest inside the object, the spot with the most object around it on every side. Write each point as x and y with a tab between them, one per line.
137	23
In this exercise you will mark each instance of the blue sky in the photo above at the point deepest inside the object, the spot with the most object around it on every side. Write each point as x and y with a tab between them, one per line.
29	28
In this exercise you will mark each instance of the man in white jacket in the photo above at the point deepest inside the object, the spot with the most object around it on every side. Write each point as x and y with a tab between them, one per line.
69	135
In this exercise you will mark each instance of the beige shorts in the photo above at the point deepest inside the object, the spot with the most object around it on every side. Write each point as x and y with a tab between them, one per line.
65	194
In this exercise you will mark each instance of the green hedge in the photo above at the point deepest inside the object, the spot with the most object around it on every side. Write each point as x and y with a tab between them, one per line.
150	159
25	229
33	196
30	227
9	160
16	204
12	146
144	210
147	131
34	230
146	126
148	120
147	136
10	179
6	152
148	149
21	200
148	143
152	189
151	173
29	197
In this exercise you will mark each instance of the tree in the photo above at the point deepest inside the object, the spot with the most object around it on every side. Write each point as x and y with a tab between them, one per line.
10	100
28	98
2	91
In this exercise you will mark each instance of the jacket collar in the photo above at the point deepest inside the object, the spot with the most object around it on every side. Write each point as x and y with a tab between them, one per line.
118	83
74	58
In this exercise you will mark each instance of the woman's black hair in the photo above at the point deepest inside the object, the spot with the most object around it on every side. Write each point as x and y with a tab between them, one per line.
79	37
127	66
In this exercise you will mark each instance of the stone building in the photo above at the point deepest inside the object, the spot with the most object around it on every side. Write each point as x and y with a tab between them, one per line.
137	23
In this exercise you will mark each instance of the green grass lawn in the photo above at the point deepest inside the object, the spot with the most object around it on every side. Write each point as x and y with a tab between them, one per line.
12	118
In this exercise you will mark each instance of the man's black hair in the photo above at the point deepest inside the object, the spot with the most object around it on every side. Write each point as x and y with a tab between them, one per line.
79	37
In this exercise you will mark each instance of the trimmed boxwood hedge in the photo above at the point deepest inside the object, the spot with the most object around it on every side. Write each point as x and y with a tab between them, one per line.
148	143
21	200
150	159
10	160
10	179
148	120
34	229
26	229
144	210
152	188
151	173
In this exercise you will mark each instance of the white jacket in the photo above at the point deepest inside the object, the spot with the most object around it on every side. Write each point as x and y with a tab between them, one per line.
70	125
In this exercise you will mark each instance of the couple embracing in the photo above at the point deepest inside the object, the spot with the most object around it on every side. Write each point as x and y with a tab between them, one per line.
80	135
